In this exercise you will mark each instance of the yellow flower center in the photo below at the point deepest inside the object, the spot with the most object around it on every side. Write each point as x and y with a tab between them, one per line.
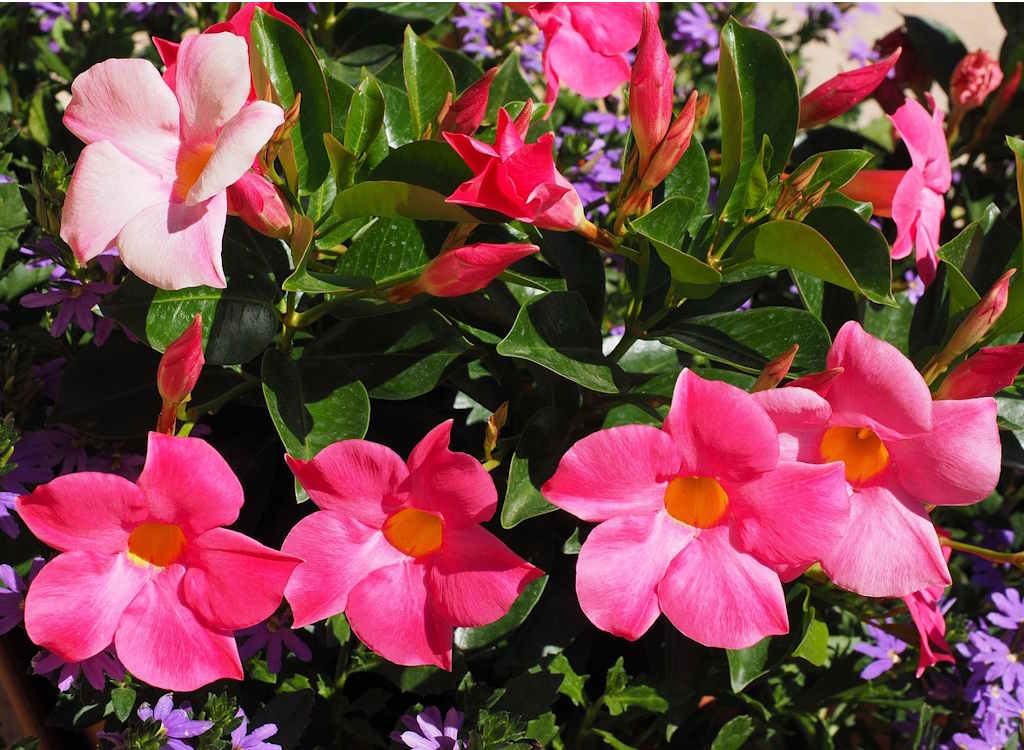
414	532
859	448
697	501
191	162
158	544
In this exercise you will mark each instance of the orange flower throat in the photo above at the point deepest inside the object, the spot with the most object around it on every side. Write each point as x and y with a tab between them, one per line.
414	532
697	501
863	452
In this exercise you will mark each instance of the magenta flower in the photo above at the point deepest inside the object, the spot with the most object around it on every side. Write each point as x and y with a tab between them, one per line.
983	374
153	176
12	594
95	668
427	731
274	636
698	520
884	652
176	723
927	610
242	739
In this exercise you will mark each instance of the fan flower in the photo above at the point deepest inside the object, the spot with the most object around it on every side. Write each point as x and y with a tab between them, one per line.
884	652
428	731
243	739
901	451
153	176
276	637
698	520
175	723
399	548
12	594
148	566
95	669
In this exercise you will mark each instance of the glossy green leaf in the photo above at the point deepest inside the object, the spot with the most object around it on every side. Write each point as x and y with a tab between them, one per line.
665	226
365	116
734	734
429	164
388	198
508	85
433	12
293	67
555	330
122	701
397	118
837	167
13	217
691	179
470	638
532	464
428	81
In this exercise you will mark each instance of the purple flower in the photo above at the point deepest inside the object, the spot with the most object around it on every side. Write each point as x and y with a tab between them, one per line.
95	668
885	652
1011	609
75	301
697	31
175	722
861	52
275	636
993	735
1009	705
427	731
50	13
45	253
241	740
49	374
474	21
35	454
607	122
12	595
915	287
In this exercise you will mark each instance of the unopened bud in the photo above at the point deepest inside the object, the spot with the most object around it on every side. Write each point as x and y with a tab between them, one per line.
462	270
291	117
494	425
522	121
775	371
975	77
819	382
651	88
467	112
984	374
178	371
258	203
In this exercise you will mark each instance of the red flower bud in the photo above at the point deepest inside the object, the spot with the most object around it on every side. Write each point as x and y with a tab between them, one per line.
181	363
463	270
651	90
984	374
256	201
975	77
774	372
980	319
838	94
468	111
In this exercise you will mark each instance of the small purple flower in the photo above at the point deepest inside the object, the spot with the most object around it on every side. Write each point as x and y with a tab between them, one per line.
95	668
1011	609
45	253
275	637
746	305
698	31
175	722
242	740
35	454
474	21
49	374
76	301
884	651
426	731
861	52
12	594
607	122
993	735
915	287
50	13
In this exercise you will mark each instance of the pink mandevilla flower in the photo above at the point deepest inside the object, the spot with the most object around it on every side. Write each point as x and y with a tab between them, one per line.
153	176
399	548
901	450
148	566
698	520
928	615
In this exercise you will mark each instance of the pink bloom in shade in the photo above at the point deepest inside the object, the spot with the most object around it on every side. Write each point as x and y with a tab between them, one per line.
975	77
153	176
836	95
915	198
929	619
698	520
397	545
901	451
467	112
517	179
983	374
463	270
585	44
148	566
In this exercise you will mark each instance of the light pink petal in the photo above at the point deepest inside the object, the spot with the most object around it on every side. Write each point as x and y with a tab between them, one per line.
239	142
212	83
174	246
127	103
721	597
107	190
620	566
578	67
801	417
232	581
788	517
338	552
453	484
188	483
618	471
84	511
958	461
722	429
392	613
76	601
355	478
890	548
878	388
611	28
160	641
475	578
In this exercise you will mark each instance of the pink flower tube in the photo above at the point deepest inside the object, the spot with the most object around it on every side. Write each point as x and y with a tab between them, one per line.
463	270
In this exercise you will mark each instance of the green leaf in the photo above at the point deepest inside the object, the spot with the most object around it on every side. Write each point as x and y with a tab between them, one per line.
691	178
555	330
668	221
428	81
429	164
532	464
956	254
340	628
18	278
122	700
759	98
665	226
611	740
397	199
635	696
814	646
312	407
936	45
365	116
837	167
13	217
293	68
572	683
471	638
397	118
386	250
747	339
508	85
734	734
433	12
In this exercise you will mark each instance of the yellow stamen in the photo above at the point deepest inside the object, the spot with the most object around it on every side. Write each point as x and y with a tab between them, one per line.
697	501
158	544
414	532
864	454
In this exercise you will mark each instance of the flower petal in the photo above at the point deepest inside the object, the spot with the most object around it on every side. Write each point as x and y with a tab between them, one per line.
338	552
356	478
237	145
75	603
233	581
174	246
958	461
453	484
801	417
127	103
475	578
160	641
188	483
890	548
617	471
212	83
392	613
878	388
580	68
84	511
107	190
620	566
721	597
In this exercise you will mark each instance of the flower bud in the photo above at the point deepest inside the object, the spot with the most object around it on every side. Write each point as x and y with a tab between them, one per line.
838	94
819	382
775	370
467	112
651	89
975	77
984	374
463	270
178	371
256	202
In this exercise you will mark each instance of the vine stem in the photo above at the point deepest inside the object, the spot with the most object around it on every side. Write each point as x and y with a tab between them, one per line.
214	404
1013	558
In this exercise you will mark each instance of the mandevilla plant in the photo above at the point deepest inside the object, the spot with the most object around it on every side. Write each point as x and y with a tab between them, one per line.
380	374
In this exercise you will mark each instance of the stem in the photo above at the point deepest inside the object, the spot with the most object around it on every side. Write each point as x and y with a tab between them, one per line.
715	255
627	340
214	404
1013	558
588	721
